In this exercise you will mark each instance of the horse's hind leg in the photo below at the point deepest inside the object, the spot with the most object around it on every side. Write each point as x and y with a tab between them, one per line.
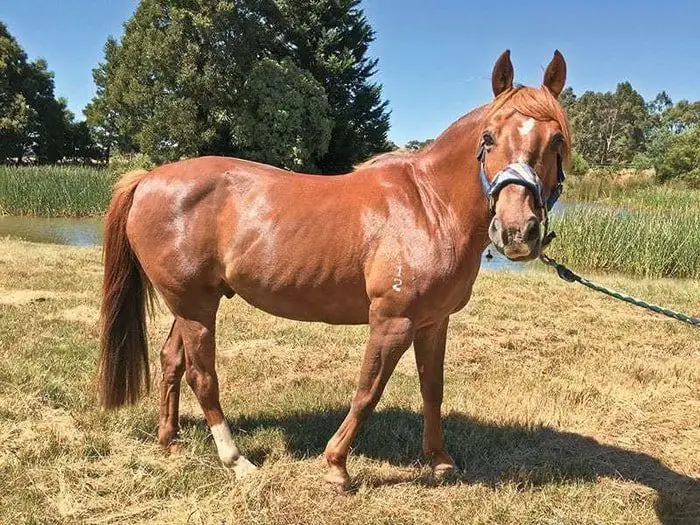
198	338
172	362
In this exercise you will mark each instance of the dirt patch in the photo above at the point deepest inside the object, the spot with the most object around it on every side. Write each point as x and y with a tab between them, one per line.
22	297
80	314
237	348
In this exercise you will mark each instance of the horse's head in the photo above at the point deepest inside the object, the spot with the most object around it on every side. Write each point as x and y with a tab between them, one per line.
523	146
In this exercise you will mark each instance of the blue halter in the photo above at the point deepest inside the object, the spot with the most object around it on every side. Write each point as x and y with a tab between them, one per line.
523	175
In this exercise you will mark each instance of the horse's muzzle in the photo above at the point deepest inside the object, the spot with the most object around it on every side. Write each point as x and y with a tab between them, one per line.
518	243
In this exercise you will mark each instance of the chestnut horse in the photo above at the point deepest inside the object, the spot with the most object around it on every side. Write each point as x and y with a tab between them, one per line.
396	243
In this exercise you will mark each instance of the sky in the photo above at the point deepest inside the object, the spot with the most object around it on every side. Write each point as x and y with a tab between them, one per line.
435	58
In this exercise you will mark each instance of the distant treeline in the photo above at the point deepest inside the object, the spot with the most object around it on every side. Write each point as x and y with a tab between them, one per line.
620	128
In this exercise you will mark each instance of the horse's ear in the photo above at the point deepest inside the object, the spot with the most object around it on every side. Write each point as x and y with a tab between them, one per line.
555	76
502	76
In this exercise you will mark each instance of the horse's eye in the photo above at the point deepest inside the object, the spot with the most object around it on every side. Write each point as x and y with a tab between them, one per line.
557	141
488	139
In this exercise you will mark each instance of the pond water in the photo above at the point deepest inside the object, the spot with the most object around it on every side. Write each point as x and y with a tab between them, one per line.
88	232
53	230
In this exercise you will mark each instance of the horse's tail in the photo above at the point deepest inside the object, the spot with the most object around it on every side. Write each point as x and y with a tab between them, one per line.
123	366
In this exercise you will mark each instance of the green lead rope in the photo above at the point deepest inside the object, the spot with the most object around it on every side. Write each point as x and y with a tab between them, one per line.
569	276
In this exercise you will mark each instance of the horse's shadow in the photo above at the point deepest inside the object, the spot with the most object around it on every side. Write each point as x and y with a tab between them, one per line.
488	453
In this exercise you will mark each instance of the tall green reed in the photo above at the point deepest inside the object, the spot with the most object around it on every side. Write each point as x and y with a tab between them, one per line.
649	243
54	191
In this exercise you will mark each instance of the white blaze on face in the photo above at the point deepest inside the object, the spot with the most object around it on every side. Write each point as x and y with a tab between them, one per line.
526	127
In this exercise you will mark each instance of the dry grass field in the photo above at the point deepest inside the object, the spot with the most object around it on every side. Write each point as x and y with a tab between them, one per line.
561	406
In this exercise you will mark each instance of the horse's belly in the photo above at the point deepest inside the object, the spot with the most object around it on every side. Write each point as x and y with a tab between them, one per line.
328	303
303	268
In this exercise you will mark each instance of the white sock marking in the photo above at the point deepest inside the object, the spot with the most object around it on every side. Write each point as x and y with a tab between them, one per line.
225	446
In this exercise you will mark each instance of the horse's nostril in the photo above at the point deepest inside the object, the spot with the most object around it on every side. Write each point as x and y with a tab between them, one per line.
531	231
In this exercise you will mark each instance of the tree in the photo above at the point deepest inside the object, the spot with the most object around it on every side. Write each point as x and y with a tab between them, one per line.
178	82
608	127
415	145
33	123
330	38
683	116
282	105
680	159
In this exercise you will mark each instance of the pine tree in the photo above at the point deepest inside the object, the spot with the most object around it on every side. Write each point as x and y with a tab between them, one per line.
225	77
331	38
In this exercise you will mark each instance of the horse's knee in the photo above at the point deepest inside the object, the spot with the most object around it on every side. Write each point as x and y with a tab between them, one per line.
172	358
363	404
202	383
193	377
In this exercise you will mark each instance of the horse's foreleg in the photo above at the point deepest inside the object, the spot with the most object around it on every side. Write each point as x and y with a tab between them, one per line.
429	345
198	338
388	340
172	361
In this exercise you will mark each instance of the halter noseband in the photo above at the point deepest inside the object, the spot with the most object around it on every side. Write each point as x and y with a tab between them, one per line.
523	175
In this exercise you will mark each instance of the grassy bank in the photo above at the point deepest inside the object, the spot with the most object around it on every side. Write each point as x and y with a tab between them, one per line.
54	191
633	190
561	406
625	222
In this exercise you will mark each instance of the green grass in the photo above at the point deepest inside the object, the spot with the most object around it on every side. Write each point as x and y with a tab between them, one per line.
651	243
561	406
54	191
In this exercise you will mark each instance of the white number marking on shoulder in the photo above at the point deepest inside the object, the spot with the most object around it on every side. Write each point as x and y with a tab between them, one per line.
398	281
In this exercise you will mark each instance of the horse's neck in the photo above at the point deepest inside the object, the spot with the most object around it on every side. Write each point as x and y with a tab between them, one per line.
453	170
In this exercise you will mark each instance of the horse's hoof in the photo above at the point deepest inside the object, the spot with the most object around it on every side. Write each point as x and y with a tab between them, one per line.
445	471
337	481
242	467
175	449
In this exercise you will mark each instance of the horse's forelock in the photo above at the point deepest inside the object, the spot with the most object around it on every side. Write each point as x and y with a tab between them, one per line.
538	103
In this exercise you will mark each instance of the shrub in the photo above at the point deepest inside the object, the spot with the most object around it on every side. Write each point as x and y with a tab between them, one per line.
579	165
680	161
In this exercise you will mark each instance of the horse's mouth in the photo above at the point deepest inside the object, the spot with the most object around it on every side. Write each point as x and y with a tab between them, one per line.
519	252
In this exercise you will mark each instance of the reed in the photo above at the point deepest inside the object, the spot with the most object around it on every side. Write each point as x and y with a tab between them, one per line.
54	191
655	242
636	190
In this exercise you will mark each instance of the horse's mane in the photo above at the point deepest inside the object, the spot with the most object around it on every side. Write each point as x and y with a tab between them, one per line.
385	158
